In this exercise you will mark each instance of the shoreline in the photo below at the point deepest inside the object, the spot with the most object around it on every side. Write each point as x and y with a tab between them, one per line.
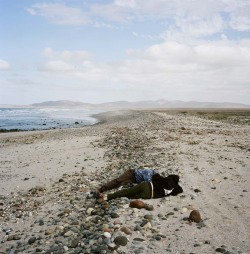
49	119
203	112
56	170
100	117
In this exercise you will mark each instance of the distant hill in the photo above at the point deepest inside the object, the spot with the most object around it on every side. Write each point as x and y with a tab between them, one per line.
160	104
61	104
170	104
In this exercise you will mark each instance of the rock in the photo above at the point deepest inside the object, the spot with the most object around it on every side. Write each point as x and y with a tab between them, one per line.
148	216
157	237
75	242
109	230
55	249
148	207
10	238
41	222
184	209
121	240
68	233
117	221
113	247
107	234
32	240
67	211
14	237
137	204
114	215
17	237
126	230
197	245
221	250
138	239
65	248
194	216
216	180
89	211
49	231
171	213
61	228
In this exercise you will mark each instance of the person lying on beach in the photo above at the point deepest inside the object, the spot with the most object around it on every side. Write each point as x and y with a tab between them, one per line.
158	188
128	177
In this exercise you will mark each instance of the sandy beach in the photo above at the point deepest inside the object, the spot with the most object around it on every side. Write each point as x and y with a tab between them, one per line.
46	178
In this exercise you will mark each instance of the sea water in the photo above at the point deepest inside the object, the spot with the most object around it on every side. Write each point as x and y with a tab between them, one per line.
45	118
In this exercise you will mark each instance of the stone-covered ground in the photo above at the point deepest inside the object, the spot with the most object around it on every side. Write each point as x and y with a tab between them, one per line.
211	157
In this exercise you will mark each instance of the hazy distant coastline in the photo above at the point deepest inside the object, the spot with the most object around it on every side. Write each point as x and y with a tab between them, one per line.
131	105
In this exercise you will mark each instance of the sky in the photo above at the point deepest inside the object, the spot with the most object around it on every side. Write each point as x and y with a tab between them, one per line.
100	51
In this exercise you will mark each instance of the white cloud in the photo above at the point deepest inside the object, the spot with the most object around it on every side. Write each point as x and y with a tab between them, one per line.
240	23
76	55
4	65
57	66
60	14
49	53
184	19
240	15
127	3
170	65
111	12
186	64
66	63
197	26
201	70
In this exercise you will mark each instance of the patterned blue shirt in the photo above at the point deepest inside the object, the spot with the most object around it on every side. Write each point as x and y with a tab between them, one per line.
144	175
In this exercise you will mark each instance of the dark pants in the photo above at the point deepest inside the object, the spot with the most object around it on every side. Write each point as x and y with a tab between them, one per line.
126	178
141	190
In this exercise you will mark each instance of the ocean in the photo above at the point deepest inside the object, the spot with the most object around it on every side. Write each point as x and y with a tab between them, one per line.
45	118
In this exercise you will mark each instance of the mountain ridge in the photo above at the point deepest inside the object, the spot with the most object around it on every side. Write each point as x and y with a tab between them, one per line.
146	104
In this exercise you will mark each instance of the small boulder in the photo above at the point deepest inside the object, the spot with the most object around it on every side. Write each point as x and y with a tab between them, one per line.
195	216
137	204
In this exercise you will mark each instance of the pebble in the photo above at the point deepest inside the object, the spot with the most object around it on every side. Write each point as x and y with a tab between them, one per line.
66	248
148	207
221	250
117	221
170	213
107	234
32	240
75	242
68	233
49	231
121	240
126	230
13	237
138	239
148	217
184	209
